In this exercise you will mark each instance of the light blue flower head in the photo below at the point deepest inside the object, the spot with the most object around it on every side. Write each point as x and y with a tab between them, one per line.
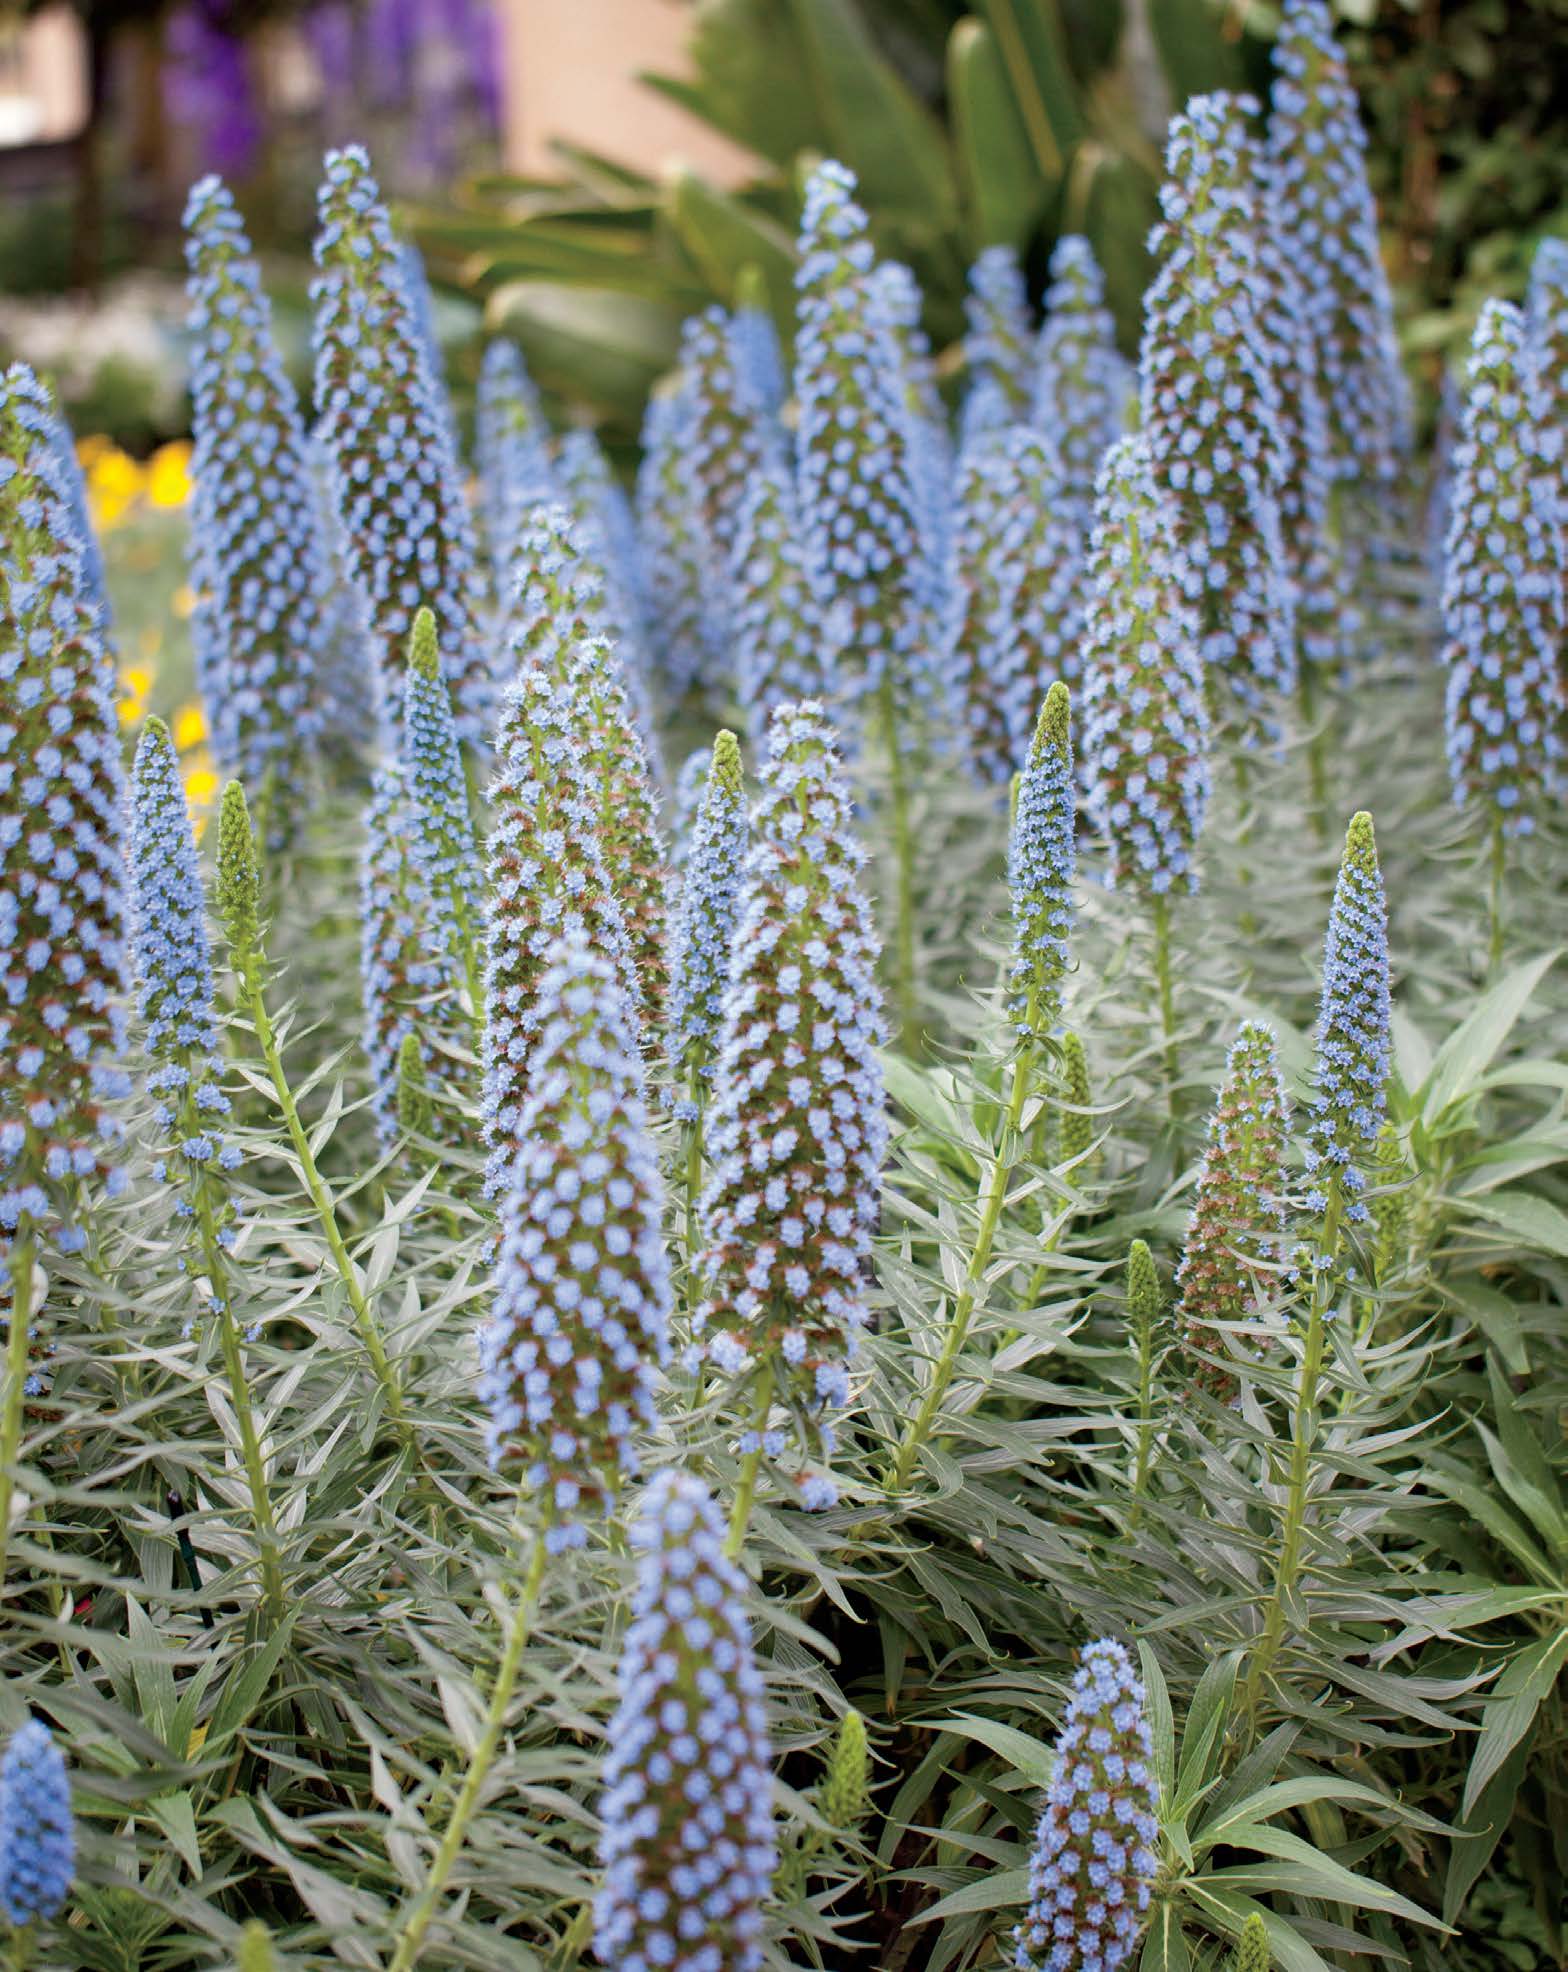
62	822
37	1829
687	1844
397	482
1503	586
1092	1872
580	1318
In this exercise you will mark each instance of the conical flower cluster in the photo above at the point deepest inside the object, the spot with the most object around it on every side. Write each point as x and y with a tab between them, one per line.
1236	1234
406	979
727	442
1015	600
604	525
580	1319
73	487
688	1847
895	307
1546	320
1351	1071
396	480
258	559
1211	410
798	1128
754	348
999	340
705	927
1093	1866
1503	586
671	544
1324	205
174	974
62	875
781	645
37	1829
1083	387
1041	857
512	453
441	838
1145	730
547	880
861	500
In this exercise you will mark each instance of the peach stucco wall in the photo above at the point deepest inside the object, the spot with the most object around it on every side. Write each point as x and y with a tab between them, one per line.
571	72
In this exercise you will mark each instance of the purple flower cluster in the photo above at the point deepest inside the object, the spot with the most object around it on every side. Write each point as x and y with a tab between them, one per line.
688	1846
441	837
780	643
397	483
547	880
62	872
511	453
1236	1233
861	489
406	981
1351	1070
671	544
1093	1867
579	1323
799	1127
999	341
1324	207
1145	731
705	926
1083	387
37	1829
1211	408
174	973
1041	858
1503	585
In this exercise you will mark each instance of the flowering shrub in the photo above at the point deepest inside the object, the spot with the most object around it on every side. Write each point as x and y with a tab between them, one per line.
577	1440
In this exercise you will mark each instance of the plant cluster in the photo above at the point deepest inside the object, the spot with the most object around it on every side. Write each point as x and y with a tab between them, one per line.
583	1440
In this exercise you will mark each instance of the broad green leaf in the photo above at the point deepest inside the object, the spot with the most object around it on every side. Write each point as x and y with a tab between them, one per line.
1001	1889
1162	1727
1304	1871
1478	1833
1469	1051
1196	50
1165	1947
589	343
1004	188
1204	1733
1511	1711
723	234
1035	1762
1028	38
1533	1220
894	145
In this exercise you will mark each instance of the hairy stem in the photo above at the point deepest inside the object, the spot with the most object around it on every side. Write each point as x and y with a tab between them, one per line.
992	1194
1144	1457
1494	950
1162	972
273	1597
411	1936
20	1317
321	1198
751	1466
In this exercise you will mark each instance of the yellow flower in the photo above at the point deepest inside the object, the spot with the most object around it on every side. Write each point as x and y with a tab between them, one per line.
135	680
131	710
190	727
168	474
184	602
114	481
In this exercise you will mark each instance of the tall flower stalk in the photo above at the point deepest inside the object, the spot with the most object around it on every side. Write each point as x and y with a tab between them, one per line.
174	972
798	1129
239	907
999	339
442	844
700	951
1040	879
1343	1123
259	559
62	881
1146	731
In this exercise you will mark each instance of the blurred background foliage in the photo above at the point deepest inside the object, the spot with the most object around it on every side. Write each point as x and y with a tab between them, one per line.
967	124
1006	121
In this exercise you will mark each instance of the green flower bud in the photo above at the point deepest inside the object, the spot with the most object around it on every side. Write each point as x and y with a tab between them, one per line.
845	1797
413	1089
239	875
1252	1947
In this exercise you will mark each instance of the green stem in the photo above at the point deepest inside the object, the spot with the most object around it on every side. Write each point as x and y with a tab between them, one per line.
321	1198
904	859
992	1195
20	1318
1494	952
1162	970
411	1937
1145	1453
751	1466
1303	1439
274	1601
